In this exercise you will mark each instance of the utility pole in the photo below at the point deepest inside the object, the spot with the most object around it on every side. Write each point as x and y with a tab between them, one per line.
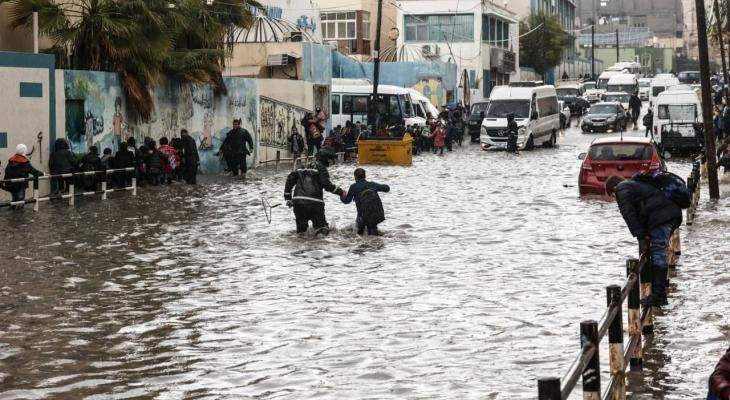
372	114
718	25
35	32
707	101
593	52
617	45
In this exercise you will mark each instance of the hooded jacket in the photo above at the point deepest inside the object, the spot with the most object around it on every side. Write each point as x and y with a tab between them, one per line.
235	143
357	188
644	207
720	378
61	160
308	183
19	167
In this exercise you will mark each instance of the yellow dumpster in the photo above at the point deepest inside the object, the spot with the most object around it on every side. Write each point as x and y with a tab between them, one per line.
385	151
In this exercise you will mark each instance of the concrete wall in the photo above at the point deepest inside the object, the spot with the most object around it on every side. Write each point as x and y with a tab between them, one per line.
28	107
430	78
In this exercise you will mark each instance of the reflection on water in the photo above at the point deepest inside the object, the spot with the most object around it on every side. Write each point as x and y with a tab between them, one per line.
487	264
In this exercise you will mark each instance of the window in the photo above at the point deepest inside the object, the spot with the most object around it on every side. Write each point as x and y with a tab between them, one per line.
339	25
355	104
677	112
620	152
335	104
495	31
547	106
439	28
366	25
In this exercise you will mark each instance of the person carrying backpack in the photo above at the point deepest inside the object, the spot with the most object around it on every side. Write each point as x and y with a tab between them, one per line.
651	205
369	207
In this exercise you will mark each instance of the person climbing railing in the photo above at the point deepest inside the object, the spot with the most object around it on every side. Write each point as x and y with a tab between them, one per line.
587	364
36	199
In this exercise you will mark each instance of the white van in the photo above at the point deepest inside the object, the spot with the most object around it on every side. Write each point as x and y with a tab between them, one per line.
680	107
631	67
626	83
659	85
351	102
422	105
602	82
535	107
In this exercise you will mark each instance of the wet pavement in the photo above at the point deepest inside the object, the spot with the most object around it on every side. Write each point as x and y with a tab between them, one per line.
487	265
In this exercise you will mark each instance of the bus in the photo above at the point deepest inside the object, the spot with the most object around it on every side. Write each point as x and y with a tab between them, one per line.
352	102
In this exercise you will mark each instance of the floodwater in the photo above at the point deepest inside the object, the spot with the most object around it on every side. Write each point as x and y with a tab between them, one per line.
487	265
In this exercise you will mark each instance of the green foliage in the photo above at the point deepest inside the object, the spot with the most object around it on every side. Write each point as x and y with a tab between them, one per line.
141	40
542	48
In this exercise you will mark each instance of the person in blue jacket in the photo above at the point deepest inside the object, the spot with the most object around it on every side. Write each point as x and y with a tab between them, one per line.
369	207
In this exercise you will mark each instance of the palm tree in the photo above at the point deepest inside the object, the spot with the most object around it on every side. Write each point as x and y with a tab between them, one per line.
141	40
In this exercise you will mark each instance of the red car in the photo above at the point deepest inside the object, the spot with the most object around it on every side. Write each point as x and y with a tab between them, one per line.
610	156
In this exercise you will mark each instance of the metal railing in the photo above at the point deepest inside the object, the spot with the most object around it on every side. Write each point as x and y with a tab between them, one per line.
303	158
587	364
36	199
637	286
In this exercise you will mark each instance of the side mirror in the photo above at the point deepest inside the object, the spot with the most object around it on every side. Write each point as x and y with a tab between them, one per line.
481	115
666	155
582	156
534	115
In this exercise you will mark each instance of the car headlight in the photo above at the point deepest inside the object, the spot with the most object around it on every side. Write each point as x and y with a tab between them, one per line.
586	120
521	130
611	119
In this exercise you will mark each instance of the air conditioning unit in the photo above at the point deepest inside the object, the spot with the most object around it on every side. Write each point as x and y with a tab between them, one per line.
430	50
277	60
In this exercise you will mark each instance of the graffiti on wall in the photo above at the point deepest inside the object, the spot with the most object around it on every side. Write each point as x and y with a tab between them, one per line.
96	114
277	120
432	88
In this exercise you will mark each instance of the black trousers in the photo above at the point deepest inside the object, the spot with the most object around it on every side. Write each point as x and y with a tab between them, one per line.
236	162
361	225
190	172
311	212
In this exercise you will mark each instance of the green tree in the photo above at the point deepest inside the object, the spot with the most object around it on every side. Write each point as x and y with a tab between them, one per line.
141	40
543	43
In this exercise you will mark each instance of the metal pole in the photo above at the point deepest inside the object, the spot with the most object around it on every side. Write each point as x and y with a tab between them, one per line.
35	193
35	32
617	47
376	68
278	159
593	52
71	194
707	101
616	342
548	389
722	51
636	356
646	278
592	373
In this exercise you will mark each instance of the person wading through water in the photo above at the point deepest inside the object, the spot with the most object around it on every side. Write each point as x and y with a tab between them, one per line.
234	148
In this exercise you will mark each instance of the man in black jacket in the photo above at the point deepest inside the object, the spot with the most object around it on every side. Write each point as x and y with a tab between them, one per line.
234	148
189	156
308	183
369	207
635	107
649	214
61	161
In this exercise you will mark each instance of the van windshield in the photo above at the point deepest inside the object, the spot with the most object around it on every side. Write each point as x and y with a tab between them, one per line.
476	108
626	88
500	108
589	85
620	98
620	152
656	90
644	83
565	92
602	83
407	106
677	112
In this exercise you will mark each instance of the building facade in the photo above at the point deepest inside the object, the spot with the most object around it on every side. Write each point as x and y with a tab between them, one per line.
479	37
350	26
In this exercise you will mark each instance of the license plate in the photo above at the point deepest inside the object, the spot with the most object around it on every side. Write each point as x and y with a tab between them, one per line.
472	122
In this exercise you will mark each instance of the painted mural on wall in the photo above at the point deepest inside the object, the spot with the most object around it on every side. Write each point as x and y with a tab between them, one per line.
277	119
96	114
432	88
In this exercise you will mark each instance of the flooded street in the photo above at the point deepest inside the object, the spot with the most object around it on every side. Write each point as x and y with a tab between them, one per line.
487	265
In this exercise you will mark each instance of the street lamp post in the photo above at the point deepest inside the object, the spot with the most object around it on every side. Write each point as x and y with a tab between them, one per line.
372	114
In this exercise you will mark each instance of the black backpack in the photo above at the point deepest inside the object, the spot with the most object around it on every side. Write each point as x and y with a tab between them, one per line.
672	185
371	208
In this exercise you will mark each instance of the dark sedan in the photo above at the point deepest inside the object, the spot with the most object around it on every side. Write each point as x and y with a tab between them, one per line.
605	117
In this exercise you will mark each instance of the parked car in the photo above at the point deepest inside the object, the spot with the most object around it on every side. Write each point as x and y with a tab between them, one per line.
605	117
564	114
620	156
476	116
644	88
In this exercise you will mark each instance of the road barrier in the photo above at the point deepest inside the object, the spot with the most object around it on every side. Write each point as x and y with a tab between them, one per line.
640	321
36	199
304	158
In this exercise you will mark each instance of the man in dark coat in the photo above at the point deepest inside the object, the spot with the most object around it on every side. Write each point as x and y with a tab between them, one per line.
189	156
91	162
308	183
234	148
649	214
720	378
367	215
123	159
635	107
61	161
512	132
19	167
